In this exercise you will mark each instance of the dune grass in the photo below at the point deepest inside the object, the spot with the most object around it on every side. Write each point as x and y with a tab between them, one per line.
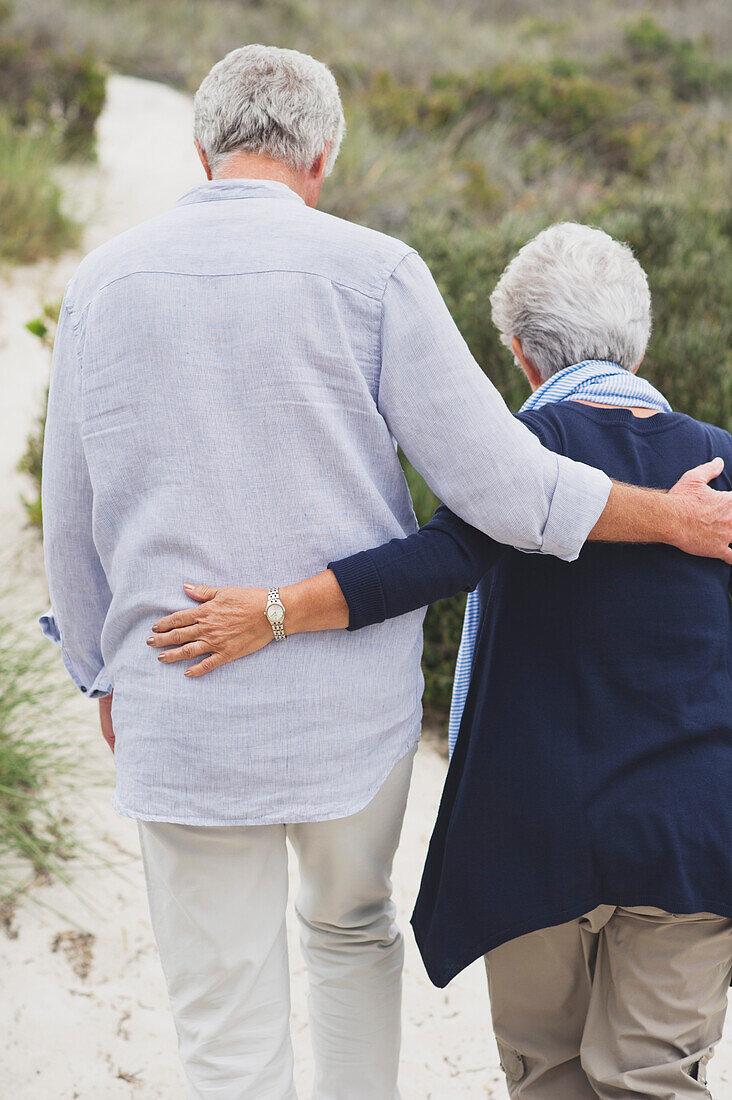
31	461
49	103
32	221
36	840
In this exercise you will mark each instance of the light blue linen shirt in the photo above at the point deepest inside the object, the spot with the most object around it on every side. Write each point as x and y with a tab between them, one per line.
228	385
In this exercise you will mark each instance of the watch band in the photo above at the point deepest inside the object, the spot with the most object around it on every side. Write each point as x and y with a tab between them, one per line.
278	627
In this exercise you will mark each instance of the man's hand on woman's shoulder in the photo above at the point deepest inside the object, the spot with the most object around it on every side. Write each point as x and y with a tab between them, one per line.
691	515
705	525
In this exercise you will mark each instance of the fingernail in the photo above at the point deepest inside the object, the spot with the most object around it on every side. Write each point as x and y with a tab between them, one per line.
187	672
188	587
161	657
151	639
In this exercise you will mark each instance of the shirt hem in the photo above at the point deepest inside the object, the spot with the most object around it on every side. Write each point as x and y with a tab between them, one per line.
444	973
273	819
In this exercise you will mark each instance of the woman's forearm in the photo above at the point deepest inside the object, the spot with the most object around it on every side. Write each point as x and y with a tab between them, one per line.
315	604
444	557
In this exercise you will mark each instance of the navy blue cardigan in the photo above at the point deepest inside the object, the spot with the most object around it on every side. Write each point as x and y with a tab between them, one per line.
594	761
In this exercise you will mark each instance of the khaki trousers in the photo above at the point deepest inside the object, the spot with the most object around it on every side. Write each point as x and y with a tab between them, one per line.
619	1003
217	901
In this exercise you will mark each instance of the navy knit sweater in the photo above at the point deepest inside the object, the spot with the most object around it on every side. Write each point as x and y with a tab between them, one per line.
594	762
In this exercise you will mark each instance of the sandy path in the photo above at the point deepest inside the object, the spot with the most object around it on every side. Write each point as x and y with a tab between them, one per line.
85	1015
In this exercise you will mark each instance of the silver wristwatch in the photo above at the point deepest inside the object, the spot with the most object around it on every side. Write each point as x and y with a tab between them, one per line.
275	612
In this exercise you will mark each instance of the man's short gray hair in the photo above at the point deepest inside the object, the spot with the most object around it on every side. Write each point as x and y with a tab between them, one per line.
574	293
261	99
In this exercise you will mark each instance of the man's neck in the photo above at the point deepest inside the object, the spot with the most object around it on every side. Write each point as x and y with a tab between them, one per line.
249	166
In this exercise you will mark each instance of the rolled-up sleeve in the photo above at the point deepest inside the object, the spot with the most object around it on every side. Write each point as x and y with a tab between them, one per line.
456	430
77	584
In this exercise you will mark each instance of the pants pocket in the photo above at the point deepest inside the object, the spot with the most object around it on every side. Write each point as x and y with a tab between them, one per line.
512	1063
699	1070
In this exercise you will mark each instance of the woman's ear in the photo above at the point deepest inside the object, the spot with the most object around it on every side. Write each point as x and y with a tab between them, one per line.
636	368
535	379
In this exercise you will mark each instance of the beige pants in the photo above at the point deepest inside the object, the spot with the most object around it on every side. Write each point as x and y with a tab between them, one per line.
619	1003
217	901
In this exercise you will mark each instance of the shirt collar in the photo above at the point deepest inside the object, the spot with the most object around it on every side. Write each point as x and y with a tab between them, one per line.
212	190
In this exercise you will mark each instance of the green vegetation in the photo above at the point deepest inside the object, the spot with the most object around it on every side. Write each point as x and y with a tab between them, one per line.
35	840
31	462
555	97
32	223
687	66
474	125
58	95
49	104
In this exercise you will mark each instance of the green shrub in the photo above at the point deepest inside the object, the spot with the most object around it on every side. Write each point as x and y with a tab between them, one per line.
56	95
687	66
49	105
686	251
694	74
647	40
32	221
553	97
398	107
31	464
478	189
537	26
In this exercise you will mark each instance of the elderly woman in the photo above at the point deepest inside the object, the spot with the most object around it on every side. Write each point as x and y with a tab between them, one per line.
583	844
583	841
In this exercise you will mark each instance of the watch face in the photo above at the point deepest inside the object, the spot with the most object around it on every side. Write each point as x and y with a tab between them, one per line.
275	613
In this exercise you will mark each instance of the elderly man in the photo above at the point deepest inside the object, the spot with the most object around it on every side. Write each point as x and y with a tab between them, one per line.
228	384
583	841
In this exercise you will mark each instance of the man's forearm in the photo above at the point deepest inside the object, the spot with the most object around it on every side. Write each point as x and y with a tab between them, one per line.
633	514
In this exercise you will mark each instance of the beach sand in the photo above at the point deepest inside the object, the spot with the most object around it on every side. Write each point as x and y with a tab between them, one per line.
83	1010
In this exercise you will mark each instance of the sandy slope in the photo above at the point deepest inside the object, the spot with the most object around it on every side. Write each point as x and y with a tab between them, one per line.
83	1009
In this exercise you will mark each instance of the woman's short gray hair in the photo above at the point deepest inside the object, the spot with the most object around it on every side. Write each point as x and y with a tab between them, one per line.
261	99
574	293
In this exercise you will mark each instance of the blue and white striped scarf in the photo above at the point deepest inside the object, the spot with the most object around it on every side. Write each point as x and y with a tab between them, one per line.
592	380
